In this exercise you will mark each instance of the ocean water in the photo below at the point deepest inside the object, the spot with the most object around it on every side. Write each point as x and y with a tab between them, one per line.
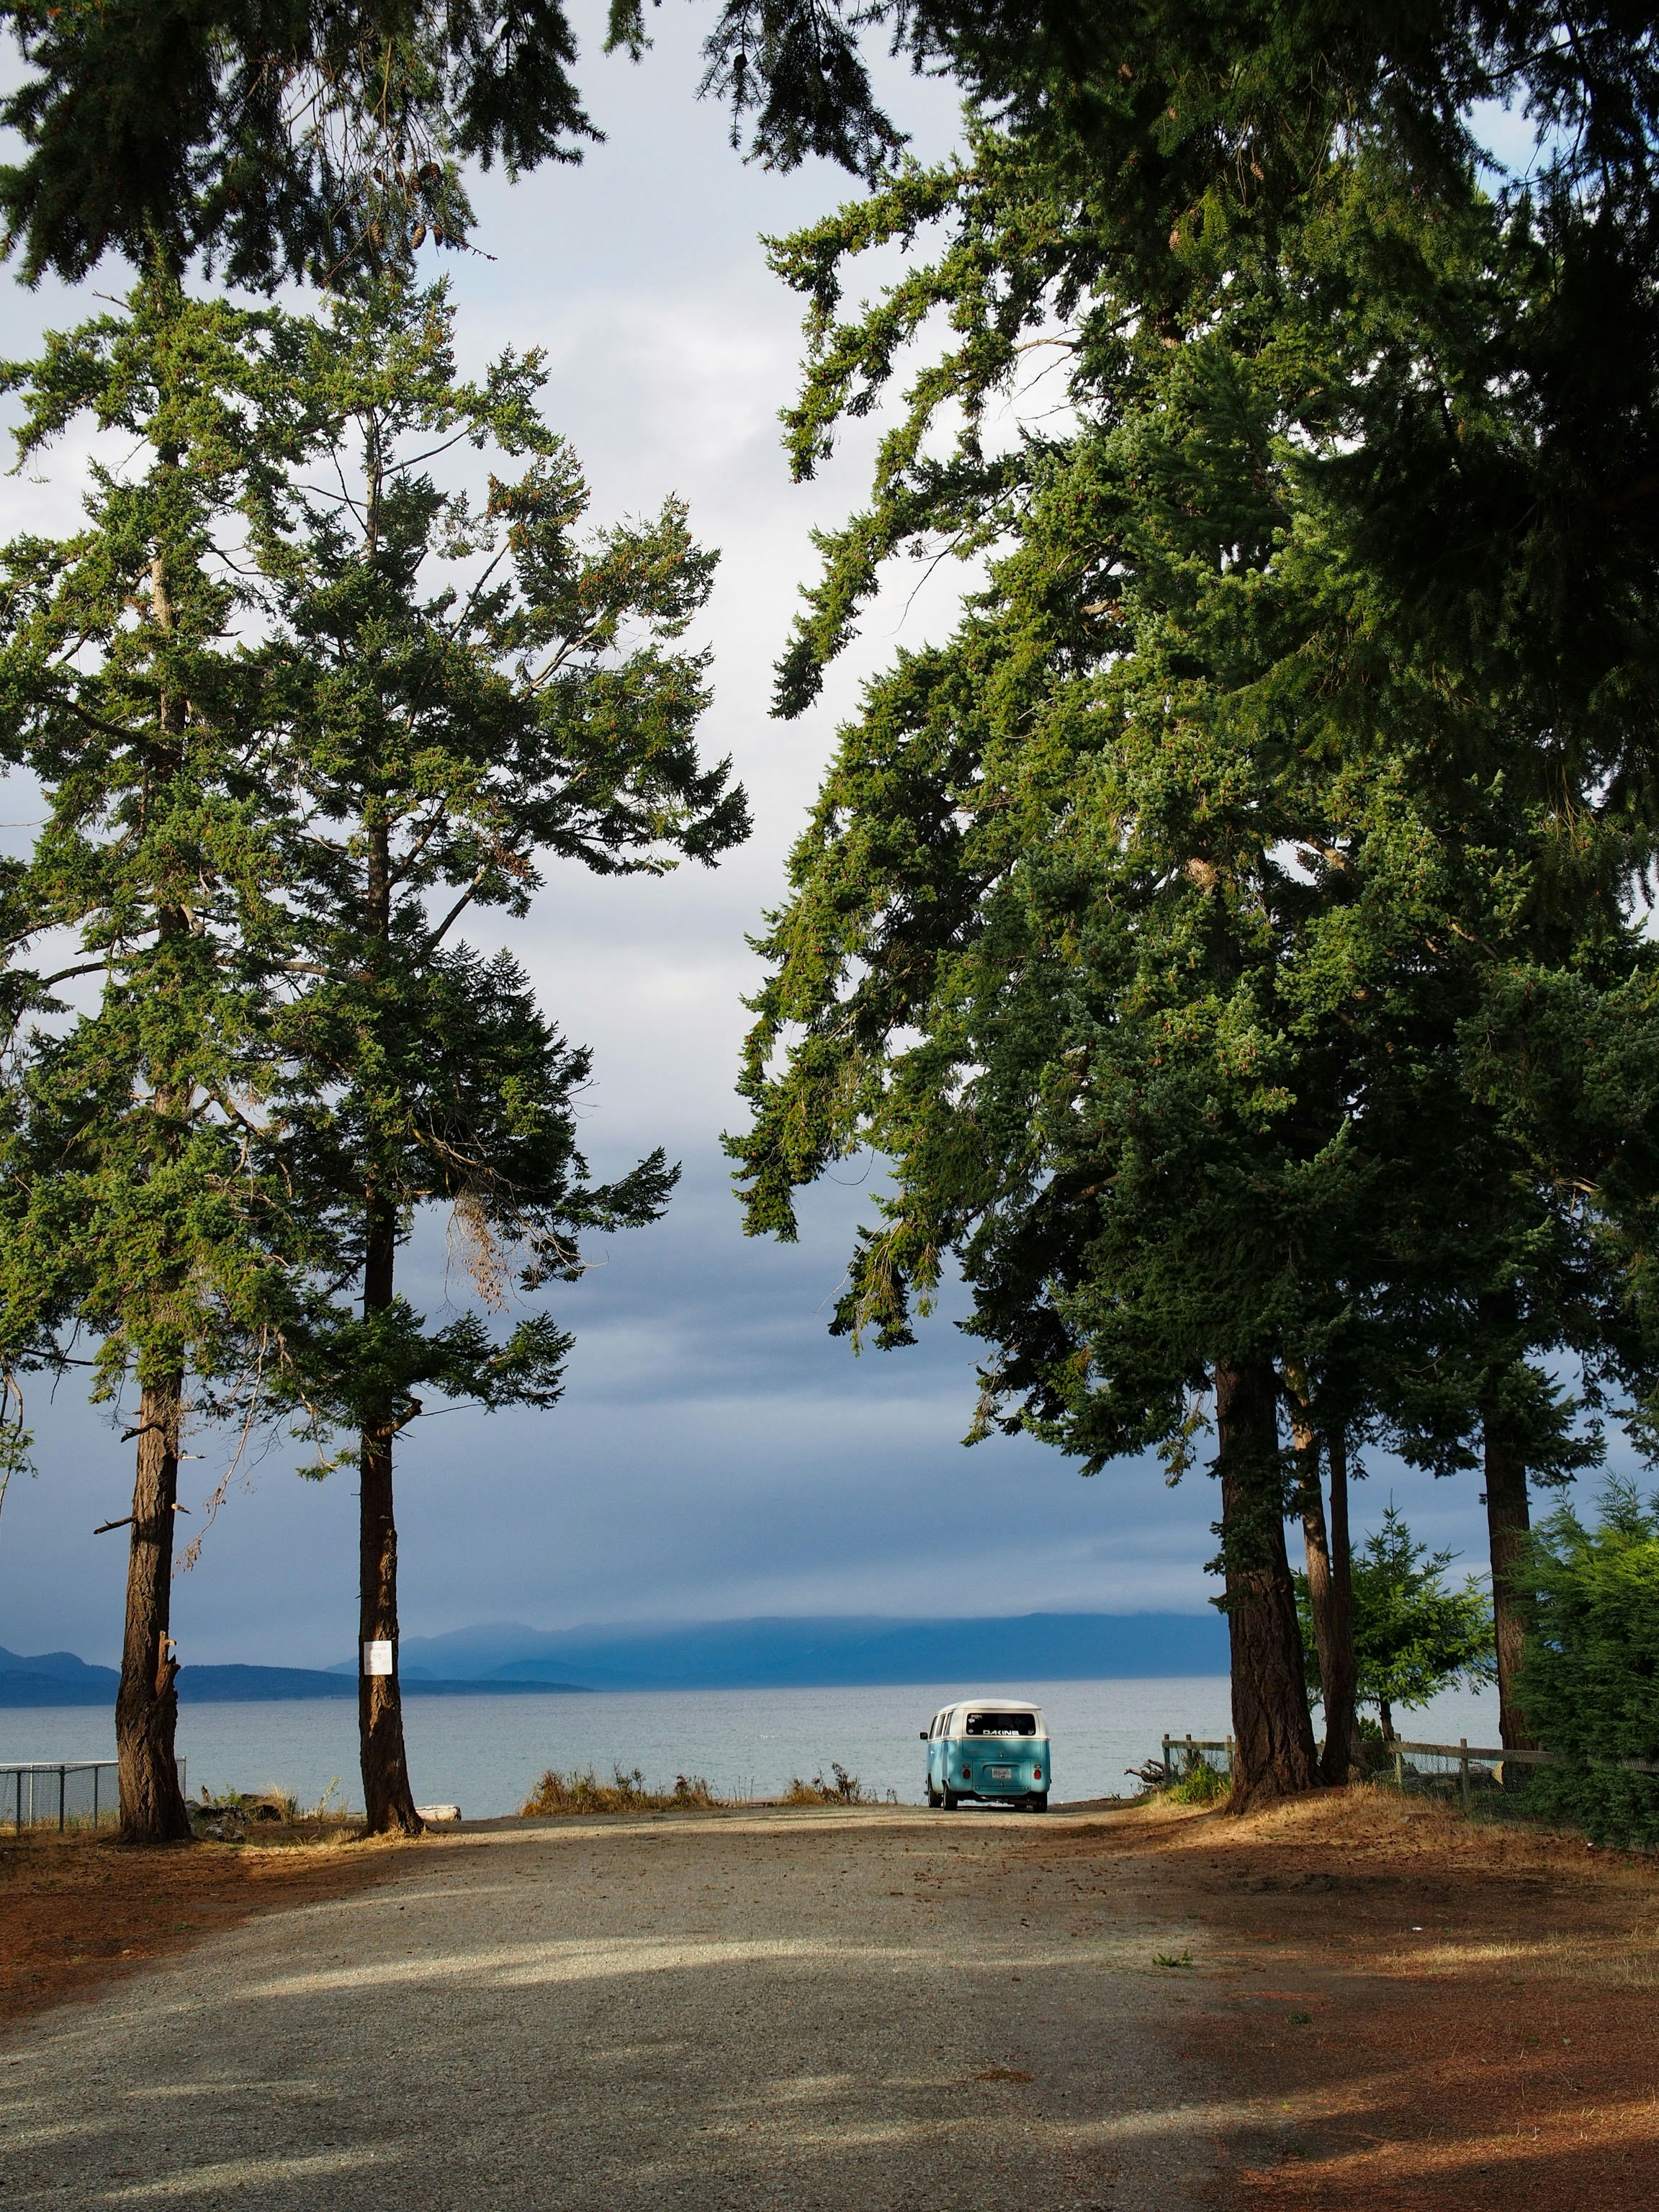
484	1754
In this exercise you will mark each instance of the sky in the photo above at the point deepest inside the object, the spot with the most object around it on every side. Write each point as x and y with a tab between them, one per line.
717	1454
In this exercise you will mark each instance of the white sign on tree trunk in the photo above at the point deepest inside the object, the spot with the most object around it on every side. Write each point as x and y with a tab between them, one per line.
377	1657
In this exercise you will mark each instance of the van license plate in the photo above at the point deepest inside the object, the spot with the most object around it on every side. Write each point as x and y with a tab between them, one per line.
1002	1773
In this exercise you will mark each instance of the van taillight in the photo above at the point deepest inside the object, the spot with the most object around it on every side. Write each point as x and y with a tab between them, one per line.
1037	1774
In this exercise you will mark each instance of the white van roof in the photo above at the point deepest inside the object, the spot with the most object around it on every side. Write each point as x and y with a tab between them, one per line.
995	1705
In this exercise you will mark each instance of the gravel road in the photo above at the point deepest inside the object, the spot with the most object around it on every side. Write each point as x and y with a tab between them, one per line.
855	2011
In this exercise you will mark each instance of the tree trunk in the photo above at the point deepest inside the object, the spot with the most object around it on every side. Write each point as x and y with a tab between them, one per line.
388	1803
1274	1745
1311	1502
1343	1759
1508	1514
147	1702
147	1698
1508	1519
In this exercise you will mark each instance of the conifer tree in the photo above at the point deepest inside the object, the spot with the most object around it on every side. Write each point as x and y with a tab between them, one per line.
466	687
283	134
139	1219
307	140
1413	1637
1591	1687
1150	925
282	765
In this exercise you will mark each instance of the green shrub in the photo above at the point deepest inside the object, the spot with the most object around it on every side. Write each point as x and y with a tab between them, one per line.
1201	1784
1589	1687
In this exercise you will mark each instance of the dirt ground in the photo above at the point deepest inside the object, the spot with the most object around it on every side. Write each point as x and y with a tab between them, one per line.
791	2010
77	1912
1420	2014
1381	2007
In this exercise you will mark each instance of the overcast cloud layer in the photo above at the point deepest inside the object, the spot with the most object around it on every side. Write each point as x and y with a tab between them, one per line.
717	1454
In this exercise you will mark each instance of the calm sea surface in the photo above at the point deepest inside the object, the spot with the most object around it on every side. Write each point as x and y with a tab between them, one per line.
485	1754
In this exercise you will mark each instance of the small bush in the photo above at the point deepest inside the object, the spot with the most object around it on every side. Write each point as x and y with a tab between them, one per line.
232	1815
624	1793
1201	1784
845	1790
1413	1636
273	1816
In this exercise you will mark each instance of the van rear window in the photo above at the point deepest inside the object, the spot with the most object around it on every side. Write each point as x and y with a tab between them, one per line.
1002	1723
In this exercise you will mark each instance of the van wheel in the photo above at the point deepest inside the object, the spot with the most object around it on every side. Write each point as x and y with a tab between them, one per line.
950	1801
1038	1800
934	1799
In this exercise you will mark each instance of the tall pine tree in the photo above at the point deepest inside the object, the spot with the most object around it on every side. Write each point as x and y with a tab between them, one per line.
140	1219
1151	925
466	686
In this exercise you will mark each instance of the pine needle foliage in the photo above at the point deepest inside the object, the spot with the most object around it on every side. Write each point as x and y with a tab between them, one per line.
144	1218
1413	1637
1152	924
1167	928
277	140
299	708
1591	1685
469	684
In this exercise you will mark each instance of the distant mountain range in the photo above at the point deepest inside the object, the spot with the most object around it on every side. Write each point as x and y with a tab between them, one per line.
59	1678
830	1652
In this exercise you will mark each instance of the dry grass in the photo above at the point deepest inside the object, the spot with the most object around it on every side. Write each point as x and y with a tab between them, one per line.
845	1790
580	1793
1419	2013
1370	1820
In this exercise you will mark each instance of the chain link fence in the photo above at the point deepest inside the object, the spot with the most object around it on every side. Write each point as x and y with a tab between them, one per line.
61	1794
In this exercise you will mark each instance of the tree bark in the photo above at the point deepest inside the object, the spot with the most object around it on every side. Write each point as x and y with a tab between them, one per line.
146	1701
388	1802
1508	1520
1315	1544
1273	1746
1508	1517
1343	1759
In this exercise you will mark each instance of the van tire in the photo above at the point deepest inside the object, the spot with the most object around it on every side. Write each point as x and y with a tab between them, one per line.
933	1798
1038	1800
950	1801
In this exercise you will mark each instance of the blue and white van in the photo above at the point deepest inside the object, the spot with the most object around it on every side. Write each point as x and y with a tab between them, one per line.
995	1749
